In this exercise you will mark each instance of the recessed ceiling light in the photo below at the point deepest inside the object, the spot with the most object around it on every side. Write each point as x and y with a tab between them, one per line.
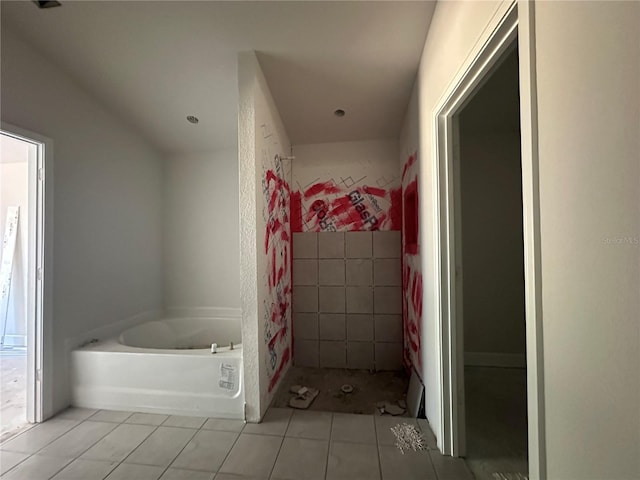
47	3
192	119
339	113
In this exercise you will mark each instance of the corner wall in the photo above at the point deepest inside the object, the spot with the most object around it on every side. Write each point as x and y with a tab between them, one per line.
588	72
454	33
107	203
412	292
265	238
201	235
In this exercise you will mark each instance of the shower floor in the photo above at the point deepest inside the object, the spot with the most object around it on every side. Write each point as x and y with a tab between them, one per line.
368	388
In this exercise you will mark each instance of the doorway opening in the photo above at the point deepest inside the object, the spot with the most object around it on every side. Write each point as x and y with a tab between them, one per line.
21	281
514	31
491	293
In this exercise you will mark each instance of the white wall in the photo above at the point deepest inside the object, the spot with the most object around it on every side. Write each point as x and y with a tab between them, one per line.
107	201
266	330
588	72
413	305
201	234
14	191
455	30
371	161
588	63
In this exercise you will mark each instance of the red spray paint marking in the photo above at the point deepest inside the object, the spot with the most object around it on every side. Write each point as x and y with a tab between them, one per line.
375	191
412	159
296	212
283	362
325	188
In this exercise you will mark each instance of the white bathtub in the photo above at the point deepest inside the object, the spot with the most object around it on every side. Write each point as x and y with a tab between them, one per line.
165	366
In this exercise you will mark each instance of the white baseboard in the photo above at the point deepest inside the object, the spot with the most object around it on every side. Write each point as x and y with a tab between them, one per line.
203	312
490	359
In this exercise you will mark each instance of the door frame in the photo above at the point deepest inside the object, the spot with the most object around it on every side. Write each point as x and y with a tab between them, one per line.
40	271
516	21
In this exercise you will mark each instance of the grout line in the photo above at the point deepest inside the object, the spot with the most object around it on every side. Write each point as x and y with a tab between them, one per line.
326	467
181	450
229	452
375	432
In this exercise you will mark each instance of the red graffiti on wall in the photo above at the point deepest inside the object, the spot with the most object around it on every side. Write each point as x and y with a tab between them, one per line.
325	207
411	267
277	248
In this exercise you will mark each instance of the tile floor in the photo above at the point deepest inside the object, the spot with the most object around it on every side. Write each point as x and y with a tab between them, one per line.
288	445
13	391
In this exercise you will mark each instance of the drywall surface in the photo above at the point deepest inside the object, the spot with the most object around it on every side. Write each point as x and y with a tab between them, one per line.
457	30
346	186
411	256
107	202
588	73
201	235
14	192
265	238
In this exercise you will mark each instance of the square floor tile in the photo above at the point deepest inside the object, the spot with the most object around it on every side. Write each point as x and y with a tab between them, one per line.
111	416
146	419
224	425
206	451
184	422
353	461
180	474
86	470
383	427
348	427
301	459
127	471
77	440
37	467
119	443
450	468
162	446
275	422
310	424
74	413
37	437
252	456
408	466
8	460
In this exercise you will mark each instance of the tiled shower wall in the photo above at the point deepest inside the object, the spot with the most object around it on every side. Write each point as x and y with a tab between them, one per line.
347	307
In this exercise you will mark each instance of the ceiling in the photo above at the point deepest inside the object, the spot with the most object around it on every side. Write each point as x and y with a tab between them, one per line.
155	62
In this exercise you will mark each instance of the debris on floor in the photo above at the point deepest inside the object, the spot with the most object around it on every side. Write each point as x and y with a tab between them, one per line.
304	396
408	438
391	408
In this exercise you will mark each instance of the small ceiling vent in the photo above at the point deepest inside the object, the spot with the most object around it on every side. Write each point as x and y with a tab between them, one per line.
47	3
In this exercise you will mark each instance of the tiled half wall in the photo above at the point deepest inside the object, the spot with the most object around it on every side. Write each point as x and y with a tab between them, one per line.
347	307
